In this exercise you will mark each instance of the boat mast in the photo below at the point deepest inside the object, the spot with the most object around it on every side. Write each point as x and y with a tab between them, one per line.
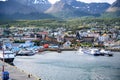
3	57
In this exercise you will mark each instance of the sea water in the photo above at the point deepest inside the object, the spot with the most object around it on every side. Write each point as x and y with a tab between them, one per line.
69	65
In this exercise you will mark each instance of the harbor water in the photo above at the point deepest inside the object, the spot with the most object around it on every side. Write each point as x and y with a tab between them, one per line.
69	65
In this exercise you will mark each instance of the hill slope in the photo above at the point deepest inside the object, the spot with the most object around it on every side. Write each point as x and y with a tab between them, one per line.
113	10
42	9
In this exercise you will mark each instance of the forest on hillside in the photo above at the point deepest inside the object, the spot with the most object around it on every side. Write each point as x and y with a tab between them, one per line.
70	24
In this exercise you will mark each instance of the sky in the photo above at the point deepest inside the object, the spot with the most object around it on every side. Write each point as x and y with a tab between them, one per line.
87	1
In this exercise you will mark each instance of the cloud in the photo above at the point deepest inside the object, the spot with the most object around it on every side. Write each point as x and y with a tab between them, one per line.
89	1
2	0
53	1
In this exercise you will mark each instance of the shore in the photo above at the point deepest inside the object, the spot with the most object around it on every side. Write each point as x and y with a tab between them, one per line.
16	74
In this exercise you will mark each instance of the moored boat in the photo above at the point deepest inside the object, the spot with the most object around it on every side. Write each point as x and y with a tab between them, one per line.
95	52
80	51
106	52
89	51
25	52
7	56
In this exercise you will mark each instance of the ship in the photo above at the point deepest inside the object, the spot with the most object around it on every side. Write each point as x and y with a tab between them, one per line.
7	56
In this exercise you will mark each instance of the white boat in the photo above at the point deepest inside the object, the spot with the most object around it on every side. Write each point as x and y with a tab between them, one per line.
35	49
90	51
106	52
80	51
25	52
7	56
5	51
95	51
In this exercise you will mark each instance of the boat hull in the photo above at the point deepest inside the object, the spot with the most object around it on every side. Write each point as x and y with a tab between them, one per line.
8	60
96	54
25	54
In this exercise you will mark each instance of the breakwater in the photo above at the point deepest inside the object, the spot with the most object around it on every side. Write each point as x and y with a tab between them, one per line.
16	73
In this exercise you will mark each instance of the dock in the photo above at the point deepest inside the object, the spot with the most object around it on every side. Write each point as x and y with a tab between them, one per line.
15	73
59	50
114	49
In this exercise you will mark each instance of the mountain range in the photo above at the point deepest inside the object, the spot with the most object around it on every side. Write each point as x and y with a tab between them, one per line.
113	10
114	7
42	9
73	8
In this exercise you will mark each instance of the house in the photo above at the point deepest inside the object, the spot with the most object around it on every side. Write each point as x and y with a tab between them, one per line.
43	34
52	39
67	44
69	38
88	39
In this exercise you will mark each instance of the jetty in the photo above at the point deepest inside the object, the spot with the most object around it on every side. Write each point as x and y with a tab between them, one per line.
57	49
16	74
114	49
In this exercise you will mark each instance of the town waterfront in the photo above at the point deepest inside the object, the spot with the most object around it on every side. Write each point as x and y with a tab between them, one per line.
69	65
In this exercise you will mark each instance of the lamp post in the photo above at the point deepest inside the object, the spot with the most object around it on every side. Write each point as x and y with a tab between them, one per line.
3	60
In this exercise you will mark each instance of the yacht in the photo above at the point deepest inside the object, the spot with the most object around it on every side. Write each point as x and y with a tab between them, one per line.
7	56
94	51
90	51
106	52
25	52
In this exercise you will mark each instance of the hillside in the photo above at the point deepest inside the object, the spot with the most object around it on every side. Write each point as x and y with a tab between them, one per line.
113	10
43	9
73	9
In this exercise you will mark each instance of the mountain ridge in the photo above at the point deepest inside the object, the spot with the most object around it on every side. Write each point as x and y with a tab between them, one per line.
40	9
73	8
114	7
113	10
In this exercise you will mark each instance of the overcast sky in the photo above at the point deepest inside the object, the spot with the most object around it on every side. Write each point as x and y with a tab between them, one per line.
87	1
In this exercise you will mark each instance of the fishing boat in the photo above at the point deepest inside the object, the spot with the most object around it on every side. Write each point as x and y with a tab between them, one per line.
25	52
89	51
106	52
95	52
7	56
27	49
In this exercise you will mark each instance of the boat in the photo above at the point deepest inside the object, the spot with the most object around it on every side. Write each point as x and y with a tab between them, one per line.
89	51
27	49
35	49
94	51
80	51
106	52
25	52
7	56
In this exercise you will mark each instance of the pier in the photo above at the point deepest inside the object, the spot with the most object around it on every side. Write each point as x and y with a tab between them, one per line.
114	49
57	49
16	74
